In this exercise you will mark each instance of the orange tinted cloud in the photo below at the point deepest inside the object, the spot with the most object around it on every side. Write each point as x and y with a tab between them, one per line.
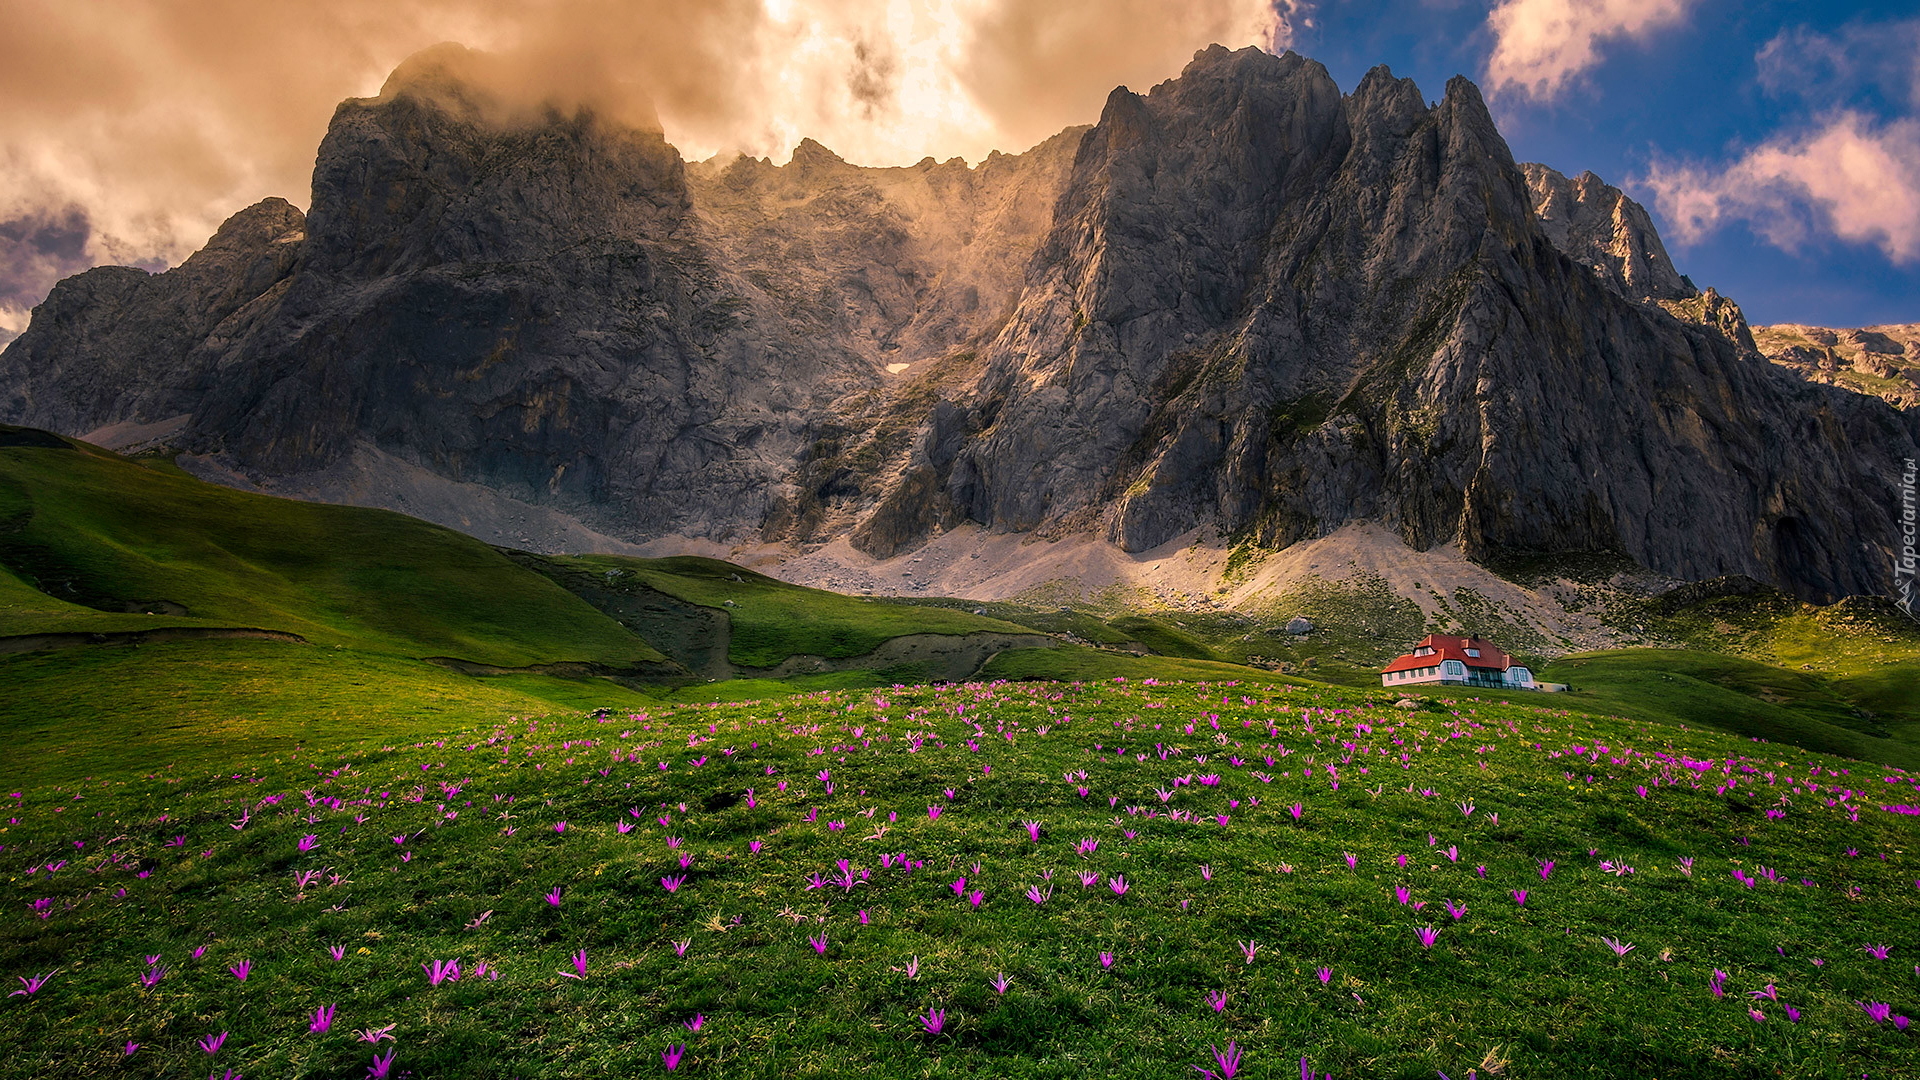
1541	46
1849	177
153	121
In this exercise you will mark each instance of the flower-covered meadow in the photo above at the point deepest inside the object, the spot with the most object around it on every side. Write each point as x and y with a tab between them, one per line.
1015	879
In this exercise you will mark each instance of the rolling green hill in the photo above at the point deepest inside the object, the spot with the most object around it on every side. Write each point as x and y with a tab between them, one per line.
1731	693
94	542
769	620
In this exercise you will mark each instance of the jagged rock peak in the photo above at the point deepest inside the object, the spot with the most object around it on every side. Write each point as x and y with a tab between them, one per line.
1596	225
272	220
811	155
1243	301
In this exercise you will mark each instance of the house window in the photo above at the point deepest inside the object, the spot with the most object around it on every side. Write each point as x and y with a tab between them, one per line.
1473	652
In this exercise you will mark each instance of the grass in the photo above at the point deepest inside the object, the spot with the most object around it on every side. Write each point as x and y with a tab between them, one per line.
74	713
1461	803
91	541
771	619
1738	695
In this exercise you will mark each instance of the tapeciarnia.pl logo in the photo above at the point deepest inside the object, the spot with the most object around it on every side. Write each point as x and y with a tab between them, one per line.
1903	563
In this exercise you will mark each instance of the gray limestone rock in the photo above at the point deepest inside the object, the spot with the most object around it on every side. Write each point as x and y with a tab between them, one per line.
1241	300
1597	226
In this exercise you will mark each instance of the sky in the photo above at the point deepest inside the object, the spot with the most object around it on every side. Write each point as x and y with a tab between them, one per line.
1777	144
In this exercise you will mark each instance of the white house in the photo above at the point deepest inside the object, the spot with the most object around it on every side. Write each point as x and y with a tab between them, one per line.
1457	661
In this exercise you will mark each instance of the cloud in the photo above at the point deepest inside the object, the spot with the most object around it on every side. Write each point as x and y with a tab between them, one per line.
1861	58
1852	176
158	120
1542	45
1037	67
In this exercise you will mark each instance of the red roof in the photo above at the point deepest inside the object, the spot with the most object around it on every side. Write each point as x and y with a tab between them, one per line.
1453	648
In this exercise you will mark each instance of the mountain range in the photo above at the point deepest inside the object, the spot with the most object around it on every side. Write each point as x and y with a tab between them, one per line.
1242	305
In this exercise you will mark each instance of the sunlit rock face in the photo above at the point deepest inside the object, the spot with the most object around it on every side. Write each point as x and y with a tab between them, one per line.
1242	300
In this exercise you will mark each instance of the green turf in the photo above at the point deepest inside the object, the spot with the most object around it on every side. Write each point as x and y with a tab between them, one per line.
772	619
1163	639
1461	804
1732	694
1075	662
77	712
99	536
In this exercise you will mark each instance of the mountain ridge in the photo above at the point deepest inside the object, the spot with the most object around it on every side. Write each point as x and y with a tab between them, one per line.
1252	305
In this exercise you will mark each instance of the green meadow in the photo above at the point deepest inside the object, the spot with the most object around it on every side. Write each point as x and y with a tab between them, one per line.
1032	879
445	810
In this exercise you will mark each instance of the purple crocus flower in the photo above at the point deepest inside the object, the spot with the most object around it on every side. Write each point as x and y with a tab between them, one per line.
442	971
241	970
1427	936
1325	974
1217	999
673	883
32	984
670	1057
1520	897
322	1020
934	1021
381	1065
694	1024
212	1043
1118	883
1227	1061
819	943
579	966
1106	960
1000	982
553	898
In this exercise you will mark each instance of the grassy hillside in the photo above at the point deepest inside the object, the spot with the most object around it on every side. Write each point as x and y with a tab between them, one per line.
1737	695
1038	880
771	619
68	714
91	541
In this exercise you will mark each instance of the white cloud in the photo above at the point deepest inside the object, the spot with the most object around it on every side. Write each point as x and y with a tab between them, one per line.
1542	45
1851	177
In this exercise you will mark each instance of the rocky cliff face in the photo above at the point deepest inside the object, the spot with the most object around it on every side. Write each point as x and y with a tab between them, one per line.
1273	309
1242	300
1597	226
